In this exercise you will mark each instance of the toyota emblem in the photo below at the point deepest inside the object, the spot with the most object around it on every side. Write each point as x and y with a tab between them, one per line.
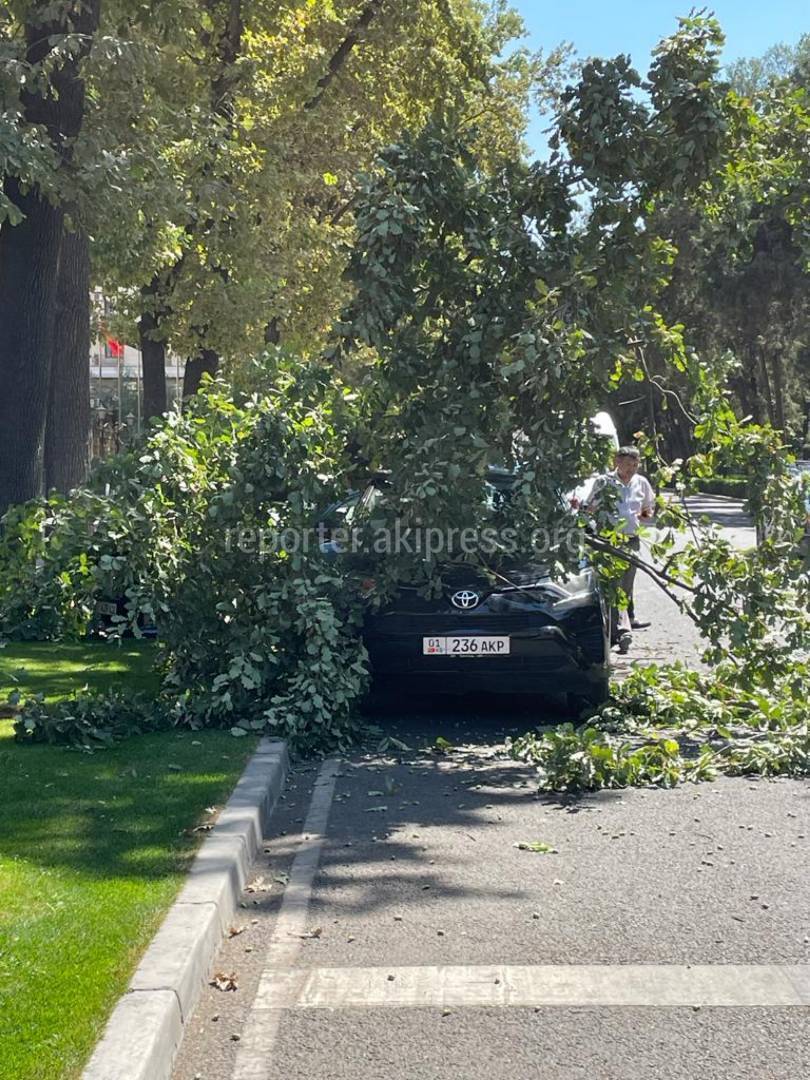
465	599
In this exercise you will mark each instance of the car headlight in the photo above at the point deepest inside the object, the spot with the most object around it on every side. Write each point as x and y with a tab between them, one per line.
568	592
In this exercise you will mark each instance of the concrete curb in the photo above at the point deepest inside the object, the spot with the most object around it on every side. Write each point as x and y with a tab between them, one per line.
143	1034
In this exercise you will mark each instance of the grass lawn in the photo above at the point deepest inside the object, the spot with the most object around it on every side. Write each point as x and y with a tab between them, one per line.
93	848
58	670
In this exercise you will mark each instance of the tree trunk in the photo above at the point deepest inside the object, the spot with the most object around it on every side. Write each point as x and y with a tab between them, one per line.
272	332
778	391
29	251
67	428
153	357
766	386
153	353
206	362
29	261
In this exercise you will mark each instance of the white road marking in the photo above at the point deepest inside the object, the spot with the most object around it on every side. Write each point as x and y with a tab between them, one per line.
637	985
253	1057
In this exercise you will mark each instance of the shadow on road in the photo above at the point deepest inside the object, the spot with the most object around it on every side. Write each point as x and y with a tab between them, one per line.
727	513
483	719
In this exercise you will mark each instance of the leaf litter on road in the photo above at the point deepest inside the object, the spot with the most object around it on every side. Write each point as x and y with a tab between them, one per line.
259	885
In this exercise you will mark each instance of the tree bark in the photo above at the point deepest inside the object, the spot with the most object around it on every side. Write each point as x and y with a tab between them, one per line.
29	254
778	391
206	362
29	260
153	352
67	427
153	359
766	386
272	332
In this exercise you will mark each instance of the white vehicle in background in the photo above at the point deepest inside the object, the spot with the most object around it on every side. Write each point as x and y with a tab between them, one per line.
603	426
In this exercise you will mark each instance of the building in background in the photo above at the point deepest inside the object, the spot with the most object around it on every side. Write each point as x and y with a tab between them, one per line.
116	384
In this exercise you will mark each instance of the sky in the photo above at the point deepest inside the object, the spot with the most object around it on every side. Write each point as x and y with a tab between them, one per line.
608	27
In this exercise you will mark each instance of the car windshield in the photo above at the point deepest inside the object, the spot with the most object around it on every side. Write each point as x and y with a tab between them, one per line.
497	488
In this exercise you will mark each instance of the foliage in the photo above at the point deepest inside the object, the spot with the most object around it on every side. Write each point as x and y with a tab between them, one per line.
669	724
487	312
91	720
221	182
59	557
739	279
255	632
488	318
587	759
750	75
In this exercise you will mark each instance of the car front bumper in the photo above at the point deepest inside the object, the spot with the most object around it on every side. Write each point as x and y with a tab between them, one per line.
543	657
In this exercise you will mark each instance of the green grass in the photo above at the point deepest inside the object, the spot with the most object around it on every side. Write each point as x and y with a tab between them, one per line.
93	848
58	670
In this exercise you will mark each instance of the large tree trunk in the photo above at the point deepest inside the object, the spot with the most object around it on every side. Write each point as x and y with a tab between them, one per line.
29	261
153	356
153	353
206	362
29	253
68	420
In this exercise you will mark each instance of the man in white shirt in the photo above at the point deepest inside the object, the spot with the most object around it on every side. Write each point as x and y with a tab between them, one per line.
635	502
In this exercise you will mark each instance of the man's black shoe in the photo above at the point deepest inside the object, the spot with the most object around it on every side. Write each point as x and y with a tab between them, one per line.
637	624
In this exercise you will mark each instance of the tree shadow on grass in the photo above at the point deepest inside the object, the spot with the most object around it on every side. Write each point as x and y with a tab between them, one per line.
127	812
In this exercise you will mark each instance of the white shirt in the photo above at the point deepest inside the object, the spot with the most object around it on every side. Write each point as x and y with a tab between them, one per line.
635	496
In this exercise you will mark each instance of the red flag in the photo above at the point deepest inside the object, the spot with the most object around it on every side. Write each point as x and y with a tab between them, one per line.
115	348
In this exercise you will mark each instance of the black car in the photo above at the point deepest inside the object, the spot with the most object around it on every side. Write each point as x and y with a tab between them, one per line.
523	632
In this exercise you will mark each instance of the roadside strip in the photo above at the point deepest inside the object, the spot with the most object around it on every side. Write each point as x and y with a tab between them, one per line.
145	1030
254	1059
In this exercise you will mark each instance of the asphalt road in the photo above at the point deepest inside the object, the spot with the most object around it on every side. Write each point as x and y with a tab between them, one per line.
672	636
416	869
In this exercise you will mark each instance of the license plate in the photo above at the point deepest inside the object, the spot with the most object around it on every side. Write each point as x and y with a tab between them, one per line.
103	607
465	646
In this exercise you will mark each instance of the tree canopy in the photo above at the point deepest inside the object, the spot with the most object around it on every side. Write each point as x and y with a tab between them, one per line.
213	165
431	304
